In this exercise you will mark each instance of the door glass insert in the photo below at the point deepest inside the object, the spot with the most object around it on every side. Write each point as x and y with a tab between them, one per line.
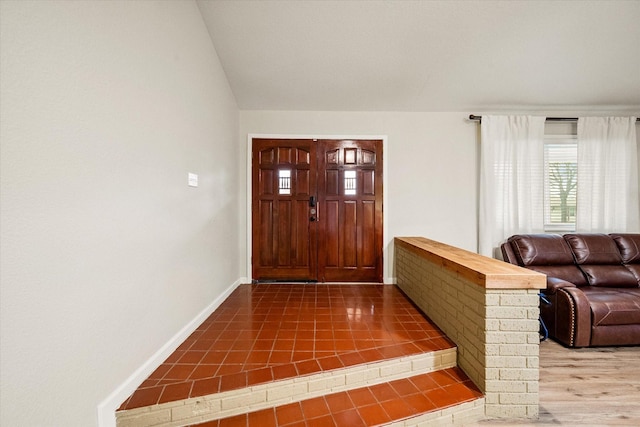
350	183
284	181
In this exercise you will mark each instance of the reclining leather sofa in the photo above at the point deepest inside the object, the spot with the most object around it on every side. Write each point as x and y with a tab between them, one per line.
593	285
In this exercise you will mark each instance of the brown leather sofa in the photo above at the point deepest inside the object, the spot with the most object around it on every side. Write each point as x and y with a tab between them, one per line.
593	285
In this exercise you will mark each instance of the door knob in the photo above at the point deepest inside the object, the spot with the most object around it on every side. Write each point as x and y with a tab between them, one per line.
314	210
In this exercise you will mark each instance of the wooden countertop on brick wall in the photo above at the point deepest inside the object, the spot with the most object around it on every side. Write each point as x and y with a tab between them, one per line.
484	271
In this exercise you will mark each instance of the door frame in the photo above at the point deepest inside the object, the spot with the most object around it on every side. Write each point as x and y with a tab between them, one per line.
386	267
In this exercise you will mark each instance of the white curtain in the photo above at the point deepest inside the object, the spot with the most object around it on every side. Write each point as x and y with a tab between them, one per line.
607	175
511	179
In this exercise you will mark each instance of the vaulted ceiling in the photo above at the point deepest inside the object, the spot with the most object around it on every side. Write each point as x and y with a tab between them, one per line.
395	55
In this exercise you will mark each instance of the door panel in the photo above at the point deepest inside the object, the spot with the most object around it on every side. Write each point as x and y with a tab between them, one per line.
368	233
350	196
349	234
331	249
284	240
342	241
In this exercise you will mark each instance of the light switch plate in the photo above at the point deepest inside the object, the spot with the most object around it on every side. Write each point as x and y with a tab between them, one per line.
193	179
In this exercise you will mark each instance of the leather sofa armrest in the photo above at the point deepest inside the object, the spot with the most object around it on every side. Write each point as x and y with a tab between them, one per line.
553	284
566	313
580	319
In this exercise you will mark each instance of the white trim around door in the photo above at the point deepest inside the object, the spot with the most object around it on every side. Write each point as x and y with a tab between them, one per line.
386	268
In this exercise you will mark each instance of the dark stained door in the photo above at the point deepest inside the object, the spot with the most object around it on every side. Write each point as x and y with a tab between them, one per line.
350	210
317	210
284	239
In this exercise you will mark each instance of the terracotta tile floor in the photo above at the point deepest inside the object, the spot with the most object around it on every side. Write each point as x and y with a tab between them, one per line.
268	332
367	406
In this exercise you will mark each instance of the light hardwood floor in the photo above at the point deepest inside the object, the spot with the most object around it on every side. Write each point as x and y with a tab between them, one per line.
586	387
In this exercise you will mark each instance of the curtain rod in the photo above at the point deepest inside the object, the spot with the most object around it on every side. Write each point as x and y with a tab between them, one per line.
549	119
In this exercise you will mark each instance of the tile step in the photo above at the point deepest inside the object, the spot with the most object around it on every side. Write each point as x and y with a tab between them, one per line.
272	394
267	333
444	397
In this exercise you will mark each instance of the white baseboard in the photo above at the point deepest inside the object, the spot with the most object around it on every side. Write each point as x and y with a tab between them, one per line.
107	408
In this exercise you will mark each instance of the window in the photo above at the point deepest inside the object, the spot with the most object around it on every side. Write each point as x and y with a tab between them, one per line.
560	182
350	183
284	181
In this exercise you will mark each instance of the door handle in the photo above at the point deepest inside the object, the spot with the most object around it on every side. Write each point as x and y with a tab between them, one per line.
312	202
314	213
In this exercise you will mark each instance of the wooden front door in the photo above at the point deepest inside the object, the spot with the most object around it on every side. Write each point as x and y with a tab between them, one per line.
350	198
284	238
317	210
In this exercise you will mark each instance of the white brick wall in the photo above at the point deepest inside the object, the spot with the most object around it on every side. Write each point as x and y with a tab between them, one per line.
496	330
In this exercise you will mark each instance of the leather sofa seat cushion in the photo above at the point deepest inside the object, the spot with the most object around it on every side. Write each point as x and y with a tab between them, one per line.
548	254
613	307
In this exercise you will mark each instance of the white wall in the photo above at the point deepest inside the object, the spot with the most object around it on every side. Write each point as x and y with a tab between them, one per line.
432	167
106	253
432	159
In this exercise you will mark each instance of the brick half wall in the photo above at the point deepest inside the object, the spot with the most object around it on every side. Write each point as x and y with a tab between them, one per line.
489	309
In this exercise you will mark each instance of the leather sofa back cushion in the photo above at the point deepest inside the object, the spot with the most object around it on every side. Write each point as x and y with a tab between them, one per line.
635	270
599	258
612	276
541	249
570	273
629	247
594	249
548	254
